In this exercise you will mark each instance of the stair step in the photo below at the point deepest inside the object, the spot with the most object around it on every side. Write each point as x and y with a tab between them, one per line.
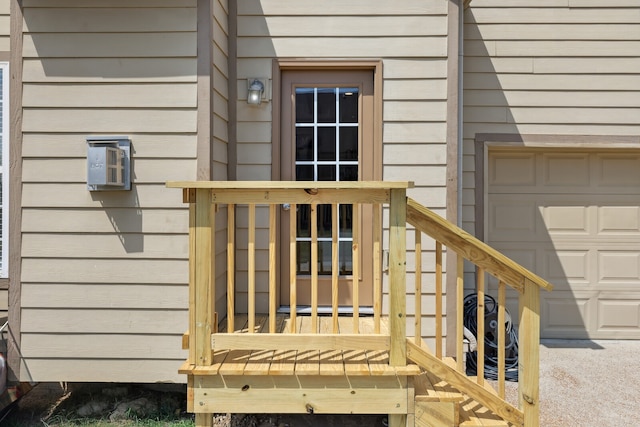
473	413
439	404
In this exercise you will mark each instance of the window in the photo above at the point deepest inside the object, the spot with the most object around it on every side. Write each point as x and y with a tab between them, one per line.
4	169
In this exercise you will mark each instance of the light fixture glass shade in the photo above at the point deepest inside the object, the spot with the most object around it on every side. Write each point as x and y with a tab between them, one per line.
255	90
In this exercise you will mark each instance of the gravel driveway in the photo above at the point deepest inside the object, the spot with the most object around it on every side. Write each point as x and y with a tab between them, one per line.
589	383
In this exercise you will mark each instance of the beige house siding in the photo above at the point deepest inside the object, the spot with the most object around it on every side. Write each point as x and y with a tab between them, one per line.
4	25
220	133
4	56
409	36
104	274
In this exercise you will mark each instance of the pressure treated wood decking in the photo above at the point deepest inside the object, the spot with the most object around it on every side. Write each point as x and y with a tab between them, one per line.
301	362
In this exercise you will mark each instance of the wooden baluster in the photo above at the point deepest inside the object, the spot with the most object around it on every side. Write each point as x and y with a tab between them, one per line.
251	254
314	268
418	290
439	300
355	260
231	266
501	338
459	311
480	326
292	267
377	267
272	268
334	267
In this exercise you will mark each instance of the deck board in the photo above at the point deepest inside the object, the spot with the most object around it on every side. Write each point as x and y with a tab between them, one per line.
308	362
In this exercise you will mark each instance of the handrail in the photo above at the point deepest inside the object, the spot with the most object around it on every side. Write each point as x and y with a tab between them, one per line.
507	272
473	249
267	185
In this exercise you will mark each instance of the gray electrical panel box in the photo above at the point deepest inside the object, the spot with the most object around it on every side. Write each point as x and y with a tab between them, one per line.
108	163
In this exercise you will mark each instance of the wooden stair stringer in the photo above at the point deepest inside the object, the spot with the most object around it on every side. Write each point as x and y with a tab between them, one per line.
461	382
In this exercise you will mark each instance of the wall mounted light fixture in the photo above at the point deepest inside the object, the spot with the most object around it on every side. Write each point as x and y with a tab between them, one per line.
255	91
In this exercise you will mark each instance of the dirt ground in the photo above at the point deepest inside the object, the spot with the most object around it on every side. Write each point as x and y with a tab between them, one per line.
49	403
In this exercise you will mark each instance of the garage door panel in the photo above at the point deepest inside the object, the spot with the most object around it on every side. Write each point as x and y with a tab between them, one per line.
513	219
566	314
618	315
614	220
567	220
567	269
512	170
617	170
565	170
619	267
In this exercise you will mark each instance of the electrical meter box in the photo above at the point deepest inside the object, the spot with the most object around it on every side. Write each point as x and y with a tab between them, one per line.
108	163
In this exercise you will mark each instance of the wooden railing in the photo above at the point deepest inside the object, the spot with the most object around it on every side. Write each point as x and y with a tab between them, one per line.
508	274
206	198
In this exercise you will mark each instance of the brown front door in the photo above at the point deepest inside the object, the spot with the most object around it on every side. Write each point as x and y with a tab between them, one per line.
327	129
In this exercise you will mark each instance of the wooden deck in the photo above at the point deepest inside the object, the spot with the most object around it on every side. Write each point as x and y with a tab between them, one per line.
349	364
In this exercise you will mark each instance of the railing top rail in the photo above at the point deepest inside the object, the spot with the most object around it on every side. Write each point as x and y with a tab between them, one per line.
291	185
471	247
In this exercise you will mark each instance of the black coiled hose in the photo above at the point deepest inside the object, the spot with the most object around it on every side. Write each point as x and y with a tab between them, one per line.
491	339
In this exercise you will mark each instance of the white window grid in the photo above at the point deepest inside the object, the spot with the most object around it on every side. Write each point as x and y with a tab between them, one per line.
335	162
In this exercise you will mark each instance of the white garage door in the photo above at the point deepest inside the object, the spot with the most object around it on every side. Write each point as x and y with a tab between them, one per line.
574	219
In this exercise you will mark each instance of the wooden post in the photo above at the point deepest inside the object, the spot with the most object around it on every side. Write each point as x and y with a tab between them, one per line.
204	295
398	287
398	277
529	354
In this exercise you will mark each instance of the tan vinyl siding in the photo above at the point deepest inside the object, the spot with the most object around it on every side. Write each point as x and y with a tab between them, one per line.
4	25
104	275
4	52
409	36
220	132
555	67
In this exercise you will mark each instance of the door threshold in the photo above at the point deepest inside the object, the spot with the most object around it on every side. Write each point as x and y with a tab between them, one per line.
326	311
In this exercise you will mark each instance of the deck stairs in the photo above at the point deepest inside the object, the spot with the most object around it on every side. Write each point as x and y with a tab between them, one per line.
439	404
